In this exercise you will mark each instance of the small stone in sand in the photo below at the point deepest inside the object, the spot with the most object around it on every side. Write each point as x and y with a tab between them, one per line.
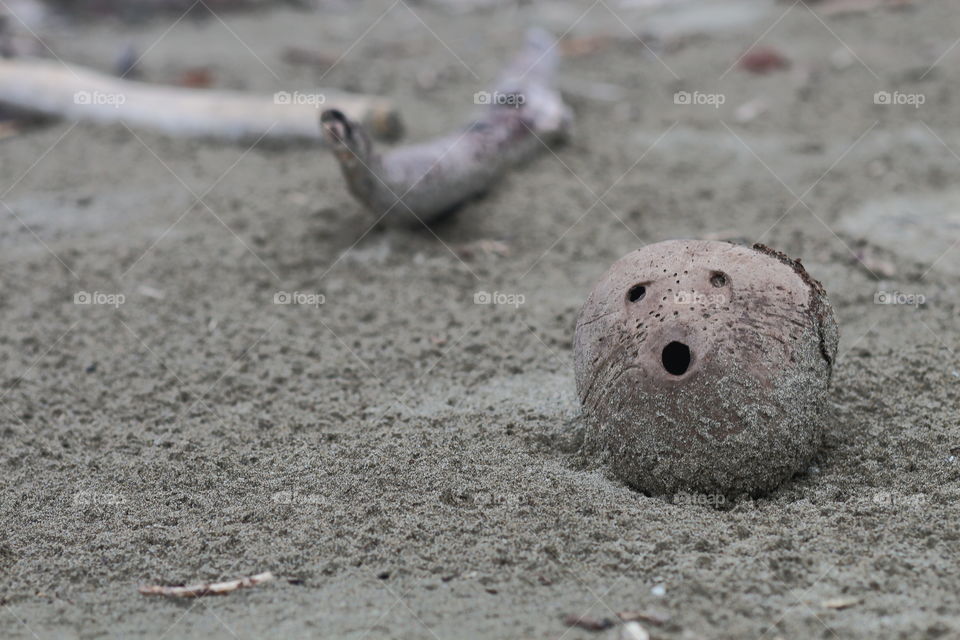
634	631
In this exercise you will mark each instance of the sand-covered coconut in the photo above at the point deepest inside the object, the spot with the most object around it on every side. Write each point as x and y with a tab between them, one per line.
703	367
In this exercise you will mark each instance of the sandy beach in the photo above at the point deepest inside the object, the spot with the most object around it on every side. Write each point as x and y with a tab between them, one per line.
407	462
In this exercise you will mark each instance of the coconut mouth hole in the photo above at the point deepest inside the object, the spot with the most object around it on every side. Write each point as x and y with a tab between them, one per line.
676	358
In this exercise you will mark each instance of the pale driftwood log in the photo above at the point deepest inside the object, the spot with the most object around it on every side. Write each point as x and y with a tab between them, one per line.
52	88
420	183
206	588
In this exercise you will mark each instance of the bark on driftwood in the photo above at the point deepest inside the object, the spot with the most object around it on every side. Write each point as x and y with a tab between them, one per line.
424	182
52	88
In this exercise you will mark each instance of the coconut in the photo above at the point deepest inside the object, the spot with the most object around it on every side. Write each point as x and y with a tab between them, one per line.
704	367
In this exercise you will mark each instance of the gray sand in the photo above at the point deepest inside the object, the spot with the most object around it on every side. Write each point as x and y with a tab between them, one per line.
406	461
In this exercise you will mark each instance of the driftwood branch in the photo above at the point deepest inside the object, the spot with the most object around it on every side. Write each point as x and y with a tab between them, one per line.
206	588
521	116
54	89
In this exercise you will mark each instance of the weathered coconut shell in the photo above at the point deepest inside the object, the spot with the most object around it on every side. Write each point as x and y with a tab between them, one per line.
703	367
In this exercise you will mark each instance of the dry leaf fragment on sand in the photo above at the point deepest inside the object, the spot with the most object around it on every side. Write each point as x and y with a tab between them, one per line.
195	78
763	60
590	624
206	588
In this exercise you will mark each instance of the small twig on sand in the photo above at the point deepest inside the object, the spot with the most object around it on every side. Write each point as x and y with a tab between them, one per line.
206	588
590	624
54	89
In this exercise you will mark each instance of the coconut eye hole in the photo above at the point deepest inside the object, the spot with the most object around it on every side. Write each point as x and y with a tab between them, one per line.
636	293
